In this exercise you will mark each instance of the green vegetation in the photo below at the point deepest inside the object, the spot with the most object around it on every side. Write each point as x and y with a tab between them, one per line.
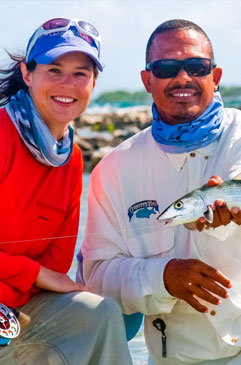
127	98
232	91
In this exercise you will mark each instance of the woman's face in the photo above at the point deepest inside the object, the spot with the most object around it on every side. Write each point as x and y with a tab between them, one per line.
61	90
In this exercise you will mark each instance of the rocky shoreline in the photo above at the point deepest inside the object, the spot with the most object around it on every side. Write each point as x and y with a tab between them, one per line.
97	132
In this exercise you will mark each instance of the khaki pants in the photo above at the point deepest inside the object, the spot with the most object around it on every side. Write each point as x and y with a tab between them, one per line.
69	329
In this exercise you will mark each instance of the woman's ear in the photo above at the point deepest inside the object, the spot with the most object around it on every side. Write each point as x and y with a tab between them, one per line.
27	75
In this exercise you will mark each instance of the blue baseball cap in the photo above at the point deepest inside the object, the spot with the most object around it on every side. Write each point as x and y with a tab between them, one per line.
47	47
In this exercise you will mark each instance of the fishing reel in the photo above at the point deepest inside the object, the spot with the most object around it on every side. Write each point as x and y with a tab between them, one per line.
9	325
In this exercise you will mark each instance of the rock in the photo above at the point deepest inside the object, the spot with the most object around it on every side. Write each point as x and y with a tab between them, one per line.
97	133
120	133
84	145
99	154
131	130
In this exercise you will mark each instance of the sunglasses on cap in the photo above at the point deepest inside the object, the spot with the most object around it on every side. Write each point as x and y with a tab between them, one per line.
167	68
84	29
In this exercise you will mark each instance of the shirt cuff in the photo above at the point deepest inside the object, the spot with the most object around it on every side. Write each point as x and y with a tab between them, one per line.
155	271
27	278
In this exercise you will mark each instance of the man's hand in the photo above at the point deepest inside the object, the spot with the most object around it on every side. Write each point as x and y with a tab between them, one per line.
57	282
185	279
221	214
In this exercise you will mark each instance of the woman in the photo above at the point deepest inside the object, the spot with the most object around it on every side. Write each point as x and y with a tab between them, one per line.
40	186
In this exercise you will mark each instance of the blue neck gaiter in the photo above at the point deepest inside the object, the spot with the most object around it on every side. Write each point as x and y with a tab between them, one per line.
185	137
35	133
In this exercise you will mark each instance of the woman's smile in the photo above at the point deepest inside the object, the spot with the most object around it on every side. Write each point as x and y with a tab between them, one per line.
63	100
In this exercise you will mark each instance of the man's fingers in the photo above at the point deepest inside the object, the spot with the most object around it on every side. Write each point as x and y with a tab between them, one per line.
236	215
222	216
213	287
215	180
205	295
196	305
192	226
214	274
200	224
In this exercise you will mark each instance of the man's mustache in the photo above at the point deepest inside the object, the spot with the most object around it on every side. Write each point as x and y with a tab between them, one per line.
182	87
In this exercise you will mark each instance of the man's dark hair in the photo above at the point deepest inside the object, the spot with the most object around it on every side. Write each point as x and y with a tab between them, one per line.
175	24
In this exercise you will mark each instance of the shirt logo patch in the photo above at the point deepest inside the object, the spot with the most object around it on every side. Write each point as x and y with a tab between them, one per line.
143	209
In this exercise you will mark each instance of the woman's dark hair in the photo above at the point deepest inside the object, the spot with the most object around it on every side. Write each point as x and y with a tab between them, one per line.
96	70
11	80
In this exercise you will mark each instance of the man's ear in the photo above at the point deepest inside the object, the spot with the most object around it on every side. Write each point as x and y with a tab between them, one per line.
146	79
217	74
27	75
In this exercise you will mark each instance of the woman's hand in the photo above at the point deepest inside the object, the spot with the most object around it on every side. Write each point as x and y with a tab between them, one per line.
57	282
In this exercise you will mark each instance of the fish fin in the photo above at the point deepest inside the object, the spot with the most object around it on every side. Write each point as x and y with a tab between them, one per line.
208	215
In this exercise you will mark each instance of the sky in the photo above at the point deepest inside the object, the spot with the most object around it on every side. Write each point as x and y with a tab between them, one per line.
125	27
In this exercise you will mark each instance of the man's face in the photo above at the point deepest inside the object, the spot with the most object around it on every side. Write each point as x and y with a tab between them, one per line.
182	98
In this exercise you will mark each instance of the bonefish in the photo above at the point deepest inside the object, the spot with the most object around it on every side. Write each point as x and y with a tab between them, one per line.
197	203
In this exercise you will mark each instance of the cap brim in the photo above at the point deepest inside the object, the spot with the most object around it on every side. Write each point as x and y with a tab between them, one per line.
51	55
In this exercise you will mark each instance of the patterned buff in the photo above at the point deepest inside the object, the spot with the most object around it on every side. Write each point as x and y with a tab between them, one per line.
35	133
185	137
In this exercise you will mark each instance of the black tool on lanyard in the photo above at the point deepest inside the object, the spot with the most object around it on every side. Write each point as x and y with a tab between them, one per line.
160	325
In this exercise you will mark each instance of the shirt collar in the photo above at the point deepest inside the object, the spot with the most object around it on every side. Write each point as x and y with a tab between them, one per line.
178	160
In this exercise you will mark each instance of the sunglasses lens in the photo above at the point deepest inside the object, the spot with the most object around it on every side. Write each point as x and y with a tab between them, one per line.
198	66
168	68
164	69
88	27
55	23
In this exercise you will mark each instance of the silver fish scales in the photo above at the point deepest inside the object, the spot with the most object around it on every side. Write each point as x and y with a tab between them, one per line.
197	203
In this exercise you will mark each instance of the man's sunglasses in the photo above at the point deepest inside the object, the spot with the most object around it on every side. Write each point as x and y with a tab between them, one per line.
167	68
85	31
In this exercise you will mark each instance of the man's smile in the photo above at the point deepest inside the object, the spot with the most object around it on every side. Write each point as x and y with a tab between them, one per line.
183	95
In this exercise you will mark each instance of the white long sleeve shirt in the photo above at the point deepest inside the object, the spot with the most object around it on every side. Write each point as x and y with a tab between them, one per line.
126	249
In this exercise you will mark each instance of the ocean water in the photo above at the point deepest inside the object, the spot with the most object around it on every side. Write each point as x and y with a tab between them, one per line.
137	345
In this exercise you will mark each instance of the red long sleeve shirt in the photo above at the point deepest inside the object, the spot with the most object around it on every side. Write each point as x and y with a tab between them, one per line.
39	215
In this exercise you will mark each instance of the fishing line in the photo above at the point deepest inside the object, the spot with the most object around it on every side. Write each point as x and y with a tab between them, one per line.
94	234
77	235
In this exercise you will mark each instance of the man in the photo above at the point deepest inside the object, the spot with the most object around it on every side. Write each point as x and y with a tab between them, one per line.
187	282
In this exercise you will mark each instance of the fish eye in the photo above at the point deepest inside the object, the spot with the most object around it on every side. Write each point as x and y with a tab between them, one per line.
178	205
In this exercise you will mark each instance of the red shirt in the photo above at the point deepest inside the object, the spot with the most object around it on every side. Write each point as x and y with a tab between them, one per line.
39	215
